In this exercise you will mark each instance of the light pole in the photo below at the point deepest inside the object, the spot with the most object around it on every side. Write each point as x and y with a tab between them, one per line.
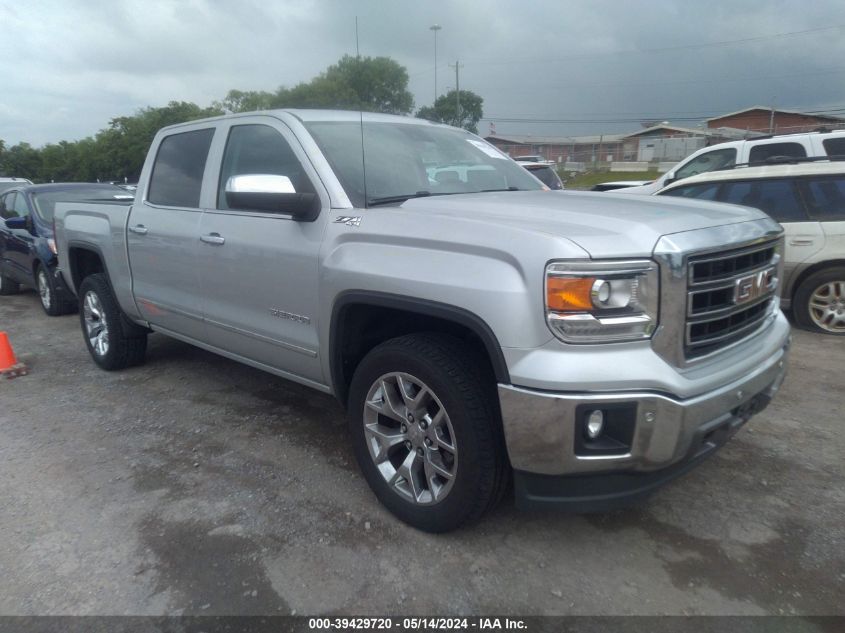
435	28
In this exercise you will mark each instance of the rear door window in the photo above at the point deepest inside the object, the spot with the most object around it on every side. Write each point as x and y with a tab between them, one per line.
777	198
767	151
176	180
826	198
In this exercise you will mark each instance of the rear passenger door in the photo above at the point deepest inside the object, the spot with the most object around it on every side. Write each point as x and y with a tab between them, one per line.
781	199
164	232
259	268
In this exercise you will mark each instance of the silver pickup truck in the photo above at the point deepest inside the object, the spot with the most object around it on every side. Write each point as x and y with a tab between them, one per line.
477	327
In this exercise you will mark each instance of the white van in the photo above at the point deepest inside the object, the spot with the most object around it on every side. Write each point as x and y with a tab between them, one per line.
755	150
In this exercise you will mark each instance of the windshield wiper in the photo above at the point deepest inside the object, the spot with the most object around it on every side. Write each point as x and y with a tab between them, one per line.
391	199
511	188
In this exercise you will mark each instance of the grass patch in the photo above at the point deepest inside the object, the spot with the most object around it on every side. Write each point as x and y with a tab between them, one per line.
590	178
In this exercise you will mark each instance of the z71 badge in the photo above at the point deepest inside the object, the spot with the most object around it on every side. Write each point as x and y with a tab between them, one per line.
348	220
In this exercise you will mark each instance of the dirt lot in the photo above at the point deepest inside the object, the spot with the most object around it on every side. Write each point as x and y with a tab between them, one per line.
197	485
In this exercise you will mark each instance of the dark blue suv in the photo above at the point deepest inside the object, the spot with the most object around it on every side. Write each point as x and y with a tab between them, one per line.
27	247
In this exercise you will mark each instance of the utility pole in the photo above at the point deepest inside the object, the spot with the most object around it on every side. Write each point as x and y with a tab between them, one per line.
435	28
357	48
772	119
457	67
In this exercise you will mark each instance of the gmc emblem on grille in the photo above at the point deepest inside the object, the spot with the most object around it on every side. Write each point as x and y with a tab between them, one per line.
754	286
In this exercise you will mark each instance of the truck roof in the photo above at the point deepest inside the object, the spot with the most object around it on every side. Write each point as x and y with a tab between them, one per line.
308	115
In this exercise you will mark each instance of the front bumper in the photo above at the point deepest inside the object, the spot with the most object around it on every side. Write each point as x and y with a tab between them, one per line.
543	431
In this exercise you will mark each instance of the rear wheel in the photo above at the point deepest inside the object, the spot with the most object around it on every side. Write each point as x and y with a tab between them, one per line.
820	302
113	341
425	431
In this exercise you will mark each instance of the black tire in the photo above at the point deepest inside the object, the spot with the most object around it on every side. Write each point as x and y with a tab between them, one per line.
450	369
8	286
52	305
801	301
126	342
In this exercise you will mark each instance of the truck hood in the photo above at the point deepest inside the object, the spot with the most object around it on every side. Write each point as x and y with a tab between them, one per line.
603	224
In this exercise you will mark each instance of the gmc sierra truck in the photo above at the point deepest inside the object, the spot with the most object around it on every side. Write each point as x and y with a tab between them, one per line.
477	327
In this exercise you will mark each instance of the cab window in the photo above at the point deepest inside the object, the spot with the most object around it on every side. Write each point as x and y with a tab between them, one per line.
777	198
260	149
20	208
709	161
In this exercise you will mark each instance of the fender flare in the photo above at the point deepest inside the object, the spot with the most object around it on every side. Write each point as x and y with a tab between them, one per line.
426	307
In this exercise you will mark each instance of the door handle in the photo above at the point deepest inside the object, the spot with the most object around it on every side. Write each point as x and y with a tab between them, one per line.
213	238
140	229
797	242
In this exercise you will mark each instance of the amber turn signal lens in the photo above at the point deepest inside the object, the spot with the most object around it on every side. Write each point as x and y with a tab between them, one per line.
567	294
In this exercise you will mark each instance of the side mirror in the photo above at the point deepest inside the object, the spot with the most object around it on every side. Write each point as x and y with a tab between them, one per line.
273	193
17	223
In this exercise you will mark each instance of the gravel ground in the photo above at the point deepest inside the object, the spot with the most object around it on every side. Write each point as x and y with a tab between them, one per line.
195	485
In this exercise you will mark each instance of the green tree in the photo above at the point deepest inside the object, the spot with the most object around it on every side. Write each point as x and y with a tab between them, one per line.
445	110
239	101
372	84
21	160
122	147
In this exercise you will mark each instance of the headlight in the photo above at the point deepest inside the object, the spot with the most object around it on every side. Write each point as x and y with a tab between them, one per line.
600	302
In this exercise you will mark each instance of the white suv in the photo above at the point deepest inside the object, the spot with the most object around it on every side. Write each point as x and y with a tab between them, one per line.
8	183
808	199
755	150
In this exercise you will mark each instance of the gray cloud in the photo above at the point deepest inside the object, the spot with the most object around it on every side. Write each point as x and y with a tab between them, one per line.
69	67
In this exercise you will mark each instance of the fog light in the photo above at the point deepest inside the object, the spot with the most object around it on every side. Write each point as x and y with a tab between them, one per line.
595	424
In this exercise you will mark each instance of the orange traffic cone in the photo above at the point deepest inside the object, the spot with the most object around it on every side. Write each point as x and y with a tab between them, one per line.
9	365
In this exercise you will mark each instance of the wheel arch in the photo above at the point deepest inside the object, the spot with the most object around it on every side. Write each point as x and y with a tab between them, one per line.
85	259
352	335
812	270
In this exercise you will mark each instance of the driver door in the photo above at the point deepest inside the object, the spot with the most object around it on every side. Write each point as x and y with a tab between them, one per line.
19	243
258	269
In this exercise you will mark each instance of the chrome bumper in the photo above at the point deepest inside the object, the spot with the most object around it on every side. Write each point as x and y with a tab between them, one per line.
540	427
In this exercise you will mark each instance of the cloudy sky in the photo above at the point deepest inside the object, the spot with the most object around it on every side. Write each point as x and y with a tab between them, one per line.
584	67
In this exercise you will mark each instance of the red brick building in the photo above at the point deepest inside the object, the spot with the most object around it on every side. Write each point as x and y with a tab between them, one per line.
769	121
561	149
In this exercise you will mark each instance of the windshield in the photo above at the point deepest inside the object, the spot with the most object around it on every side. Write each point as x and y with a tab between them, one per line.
45	201
406	160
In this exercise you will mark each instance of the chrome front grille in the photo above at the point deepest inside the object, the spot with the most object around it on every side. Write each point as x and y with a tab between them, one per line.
729	296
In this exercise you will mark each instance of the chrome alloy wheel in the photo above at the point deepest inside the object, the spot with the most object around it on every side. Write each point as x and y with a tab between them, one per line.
827	306
96	327
44	289
410	438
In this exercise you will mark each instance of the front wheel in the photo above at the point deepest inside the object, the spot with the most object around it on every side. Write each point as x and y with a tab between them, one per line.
47	291
425	431
819	303
114	342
